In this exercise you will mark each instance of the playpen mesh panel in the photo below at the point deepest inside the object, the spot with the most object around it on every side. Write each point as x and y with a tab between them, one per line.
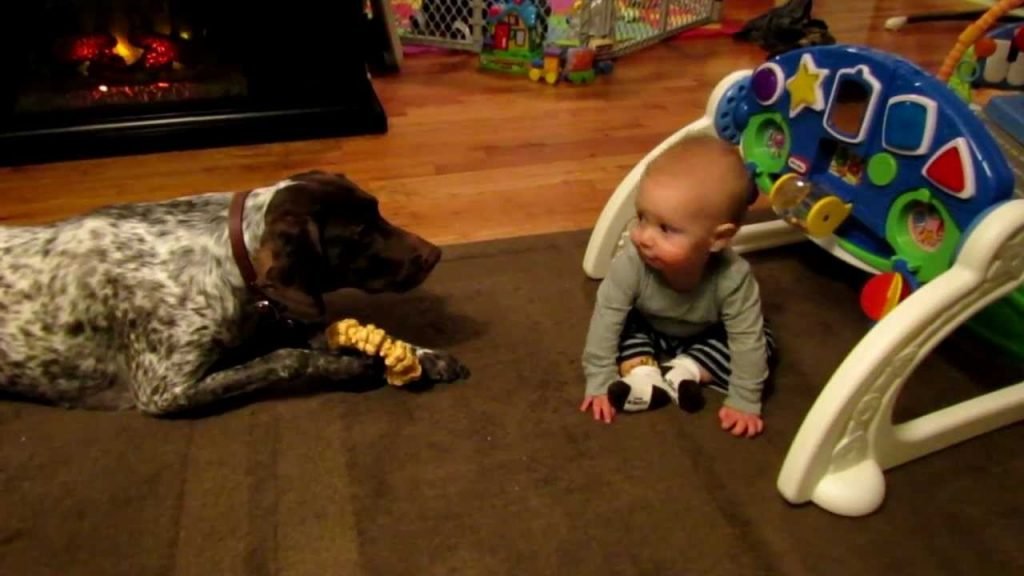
641	23
459	24
456	24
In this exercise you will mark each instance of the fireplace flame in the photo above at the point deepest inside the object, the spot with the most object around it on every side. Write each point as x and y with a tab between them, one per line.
126	49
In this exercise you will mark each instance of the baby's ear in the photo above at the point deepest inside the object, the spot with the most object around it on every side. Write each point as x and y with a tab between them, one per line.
722	236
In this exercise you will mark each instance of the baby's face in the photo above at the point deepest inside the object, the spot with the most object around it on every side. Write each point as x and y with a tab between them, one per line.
675	229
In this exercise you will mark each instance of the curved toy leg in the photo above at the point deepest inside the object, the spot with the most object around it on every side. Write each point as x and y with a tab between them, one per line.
619	209
847	440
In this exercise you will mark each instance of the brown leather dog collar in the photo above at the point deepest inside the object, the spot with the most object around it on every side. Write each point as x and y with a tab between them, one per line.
237	235
264	304
236	232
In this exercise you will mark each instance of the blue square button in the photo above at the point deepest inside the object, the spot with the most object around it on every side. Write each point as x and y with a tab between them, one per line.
909	124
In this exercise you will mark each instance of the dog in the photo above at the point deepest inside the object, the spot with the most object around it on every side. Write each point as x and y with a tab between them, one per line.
168	307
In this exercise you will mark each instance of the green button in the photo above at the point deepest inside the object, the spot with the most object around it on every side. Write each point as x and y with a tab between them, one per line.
882	169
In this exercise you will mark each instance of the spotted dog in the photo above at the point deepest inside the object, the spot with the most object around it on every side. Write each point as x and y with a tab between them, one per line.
170	306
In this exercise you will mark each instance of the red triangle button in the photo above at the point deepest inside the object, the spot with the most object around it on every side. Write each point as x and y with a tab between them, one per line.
951	170
947	170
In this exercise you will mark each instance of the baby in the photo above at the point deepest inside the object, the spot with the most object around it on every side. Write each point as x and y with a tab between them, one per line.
679	309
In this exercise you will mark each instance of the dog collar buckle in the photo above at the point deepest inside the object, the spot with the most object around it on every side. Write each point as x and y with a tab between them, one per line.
265	307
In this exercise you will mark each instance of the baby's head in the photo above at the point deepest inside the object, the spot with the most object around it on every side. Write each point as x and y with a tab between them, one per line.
691	201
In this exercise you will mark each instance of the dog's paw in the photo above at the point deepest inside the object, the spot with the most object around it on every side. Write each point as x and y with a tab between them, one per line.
440	366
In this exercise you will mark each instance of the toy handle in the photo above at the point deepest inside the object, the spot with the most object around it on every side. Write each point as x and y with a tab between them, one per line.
971	34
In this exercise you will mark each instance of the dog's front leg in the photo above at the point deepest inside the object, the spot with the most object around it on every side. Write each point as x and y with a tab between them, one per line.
439	366
286	369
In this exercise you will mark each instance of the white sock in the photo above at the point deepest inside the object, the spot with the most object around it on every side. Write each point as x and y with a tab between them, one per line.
643	382
681	368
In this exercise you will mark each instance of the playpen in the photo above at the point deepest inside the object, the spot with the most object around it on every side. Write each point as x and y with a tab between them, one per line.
459	24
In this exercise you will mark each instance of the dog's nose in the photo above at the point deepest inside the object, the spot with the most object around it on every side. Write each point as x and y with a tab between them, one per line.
432	257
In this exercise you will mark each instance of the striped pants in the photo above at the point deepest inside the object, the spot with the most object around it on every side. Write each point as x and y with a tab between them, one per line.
709	348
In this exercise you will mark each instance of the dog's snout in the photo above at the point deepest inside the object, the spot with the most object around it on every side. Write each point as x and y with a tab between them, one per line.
419	266
403	261
431	257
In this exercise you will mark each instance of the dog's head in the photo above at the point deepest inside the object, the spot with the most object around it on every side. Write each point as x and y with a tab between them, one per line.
324	233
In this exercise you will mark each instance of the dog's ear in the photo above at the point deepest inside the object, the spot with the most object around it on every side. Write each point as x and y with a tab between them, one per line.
323	178
289	265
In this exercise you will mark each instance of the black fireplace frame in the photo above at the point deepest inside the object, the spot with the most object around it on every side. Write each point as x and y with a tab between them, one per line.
344	102
188	131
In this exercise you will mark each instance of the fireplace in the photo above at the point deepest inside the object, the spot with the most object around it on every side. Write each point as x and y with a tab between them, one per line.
87	78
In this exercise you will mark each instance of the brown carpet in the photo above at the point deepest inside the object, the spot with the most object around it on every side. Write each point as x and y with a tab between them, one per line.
501	474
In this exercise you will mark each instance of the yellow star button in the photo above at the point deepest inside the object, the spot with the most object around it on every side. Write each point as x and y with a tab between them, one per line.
804	87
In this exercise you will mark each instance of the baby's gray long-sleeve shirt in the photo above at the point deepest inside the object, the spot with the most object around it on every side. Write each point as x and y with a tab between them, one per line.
728	293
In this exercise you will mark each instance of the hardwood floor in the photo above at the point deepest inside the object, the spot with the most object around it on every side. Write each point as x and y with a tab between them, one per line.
473	156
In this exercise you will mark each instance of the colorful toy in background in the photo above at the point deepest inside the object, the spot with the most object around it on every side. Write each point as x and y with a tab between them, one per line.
514	32
866	149
990	57
998	57
573	64
998	62
519	39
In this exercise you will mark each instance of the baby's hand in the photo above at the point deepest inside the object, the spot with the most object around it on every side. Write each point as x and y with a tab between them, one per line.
740	423
602	407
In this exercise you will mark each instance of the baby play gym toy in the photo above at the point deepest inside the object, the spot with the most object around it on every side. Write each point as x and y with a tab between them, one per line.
884	166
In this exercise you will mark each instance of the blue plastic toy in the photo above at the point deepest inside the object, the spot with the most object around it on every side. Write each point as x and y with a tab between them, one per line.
867	149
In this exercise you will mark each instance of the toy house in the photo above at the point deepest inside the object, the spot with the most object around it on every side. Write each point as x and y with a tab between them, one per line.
513	36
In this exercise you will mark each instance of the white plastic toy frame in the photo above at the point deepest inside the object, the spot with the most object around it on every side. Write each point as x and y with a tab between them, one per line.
848	439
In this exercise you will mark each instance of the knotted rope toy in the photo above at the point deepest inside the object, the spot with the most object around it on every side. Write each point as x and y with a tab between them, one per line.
402	365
